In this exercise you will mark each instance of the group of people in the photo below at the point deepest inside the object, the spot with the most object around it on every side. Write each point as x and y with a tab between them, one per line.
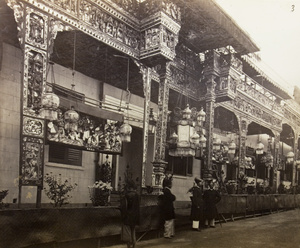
204	204
203	209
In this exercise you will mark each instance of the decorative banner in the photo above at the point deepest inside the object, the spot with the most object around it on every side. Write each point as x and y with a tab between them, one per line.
31	171
85	132
33	126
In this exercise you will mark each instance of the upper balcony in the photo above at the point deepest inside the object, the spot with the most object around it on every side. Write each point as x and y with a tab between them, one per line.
232	81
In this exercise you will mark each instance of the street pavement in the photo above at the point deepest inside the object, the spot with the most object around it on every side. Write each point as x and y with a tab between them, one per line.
276	230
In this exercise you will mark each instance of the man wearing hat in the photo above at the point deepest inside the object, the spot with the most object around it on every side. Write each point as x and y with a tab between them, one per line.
197	204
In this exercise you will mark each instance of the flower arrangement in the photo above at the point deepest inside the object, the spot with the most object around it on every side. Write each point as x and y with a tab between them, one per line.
101	185
58	190
99	193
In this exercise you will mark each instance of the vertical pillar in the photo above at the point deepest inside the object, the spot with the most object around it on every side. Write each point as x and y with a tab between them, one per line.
33	38
276	160
295	151
159	163
209	124
36	34
146	76
243	129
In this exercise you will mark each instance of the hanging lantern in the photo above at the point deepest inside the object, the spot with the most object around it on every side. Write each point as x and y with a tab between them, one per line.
235	161
173	140
231	150
152	122
195	139
259	148
125	132
184	146
231	147
71	119
202	141
186	113
269	160
217	144
201	117
247	163
290	157
200	149
225	148
50	103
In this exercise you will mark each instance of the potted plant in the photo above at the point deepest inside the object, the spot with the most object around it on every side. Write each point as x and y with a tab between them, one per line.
58	190
99	193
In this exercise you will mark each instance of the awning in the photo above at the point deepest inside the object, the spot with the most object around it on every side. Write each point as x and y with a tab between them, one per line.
205	25
269	83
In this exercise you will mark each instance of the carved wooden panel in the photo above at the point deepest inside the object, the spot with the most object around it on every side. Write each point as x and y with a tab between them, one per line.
36	29
33	126
88	133
34	79
31	168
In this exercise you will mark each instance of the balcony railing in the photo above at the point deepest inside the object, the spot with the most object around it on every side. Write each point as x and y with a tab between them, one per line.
233	80
257	92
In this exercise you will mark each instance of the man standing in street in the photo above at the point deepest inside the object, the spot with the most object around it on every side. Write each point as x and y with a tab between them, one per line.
197	205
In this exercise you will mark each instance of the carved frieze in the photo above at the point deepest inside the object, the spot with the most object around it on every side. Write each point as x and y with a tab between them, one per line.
86	132
226	83
291	117
108	24
34	79
158	41
152	36
249	87
159	36
256	111
31	171
33	126
70	6
36	29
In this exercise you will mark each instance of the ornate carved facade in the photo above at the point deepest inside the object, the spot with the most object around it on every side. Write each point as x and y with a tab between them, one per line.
167	63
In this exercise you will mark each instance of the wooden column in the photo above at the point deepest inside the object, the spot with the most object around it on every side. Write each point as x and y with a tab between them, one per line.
243	129
146	73
209	124
159	163
276	160
37	32
295	148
